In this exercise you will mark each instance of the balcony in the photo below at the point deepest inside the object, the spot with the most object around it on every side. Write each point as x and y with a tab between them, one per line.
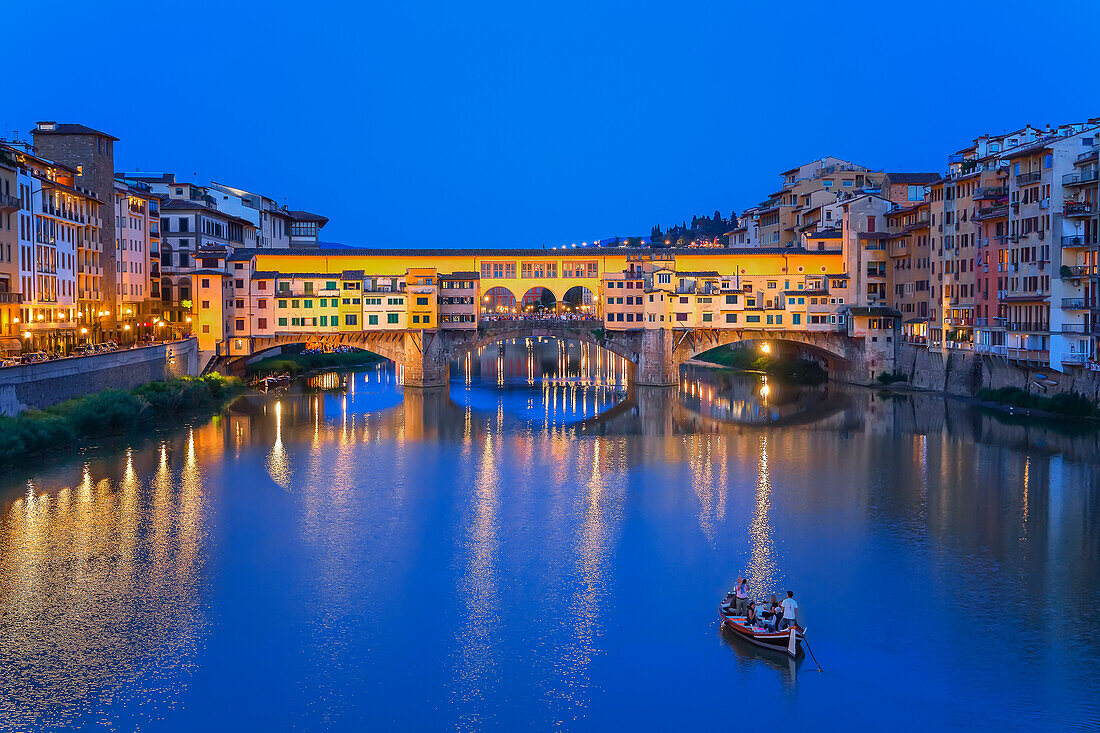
1080	328
1075	357
996	349
1074	240
1025	178
985	193
1073	272
1027	326
8	203
955	158
7	298
992	212
964	322
1074	304
1078	208
1034	355
1078	179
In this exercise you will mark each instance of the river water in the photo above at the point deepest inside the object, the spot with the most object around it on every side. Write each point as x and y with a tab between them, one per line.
540	546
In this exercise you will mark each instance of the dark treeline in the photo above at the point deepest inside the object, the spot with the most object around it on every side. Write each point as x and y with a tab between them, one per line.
702	229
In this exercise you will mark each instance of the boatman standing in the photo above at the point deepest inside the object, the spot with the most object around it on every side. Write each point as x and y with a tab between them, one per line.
742	596
790	611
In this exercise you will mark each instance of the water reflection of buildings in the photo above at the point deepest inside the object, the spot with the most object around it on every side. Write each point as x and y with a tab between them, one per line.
100	571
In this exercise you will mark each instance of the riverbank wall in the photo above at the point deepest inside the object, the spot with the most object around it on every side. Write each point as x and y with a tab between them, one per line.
964	373
41	385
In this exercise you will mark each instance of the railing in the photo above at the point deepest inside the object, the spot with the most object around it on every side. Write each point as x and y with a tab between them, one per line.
1073	272
1076	357
955	158
9	202
1074	240
1028	354
990	192
1025	178
1072	179
1026	326
986	212
1074	304
11	298
1074	328
967	321
1077	208
996	349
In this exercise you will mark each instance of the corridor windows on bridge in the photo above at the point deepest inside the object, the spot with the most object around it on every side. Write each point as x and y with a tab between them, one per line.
498	270
539	270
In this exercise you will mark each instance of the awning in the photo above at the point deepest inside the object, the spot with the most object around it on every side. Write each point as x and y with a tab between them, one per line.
7	345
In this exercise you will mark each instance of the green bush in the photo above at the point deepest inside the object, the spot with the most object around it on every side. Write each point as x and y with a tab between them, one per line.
1067	404
110	412
891	377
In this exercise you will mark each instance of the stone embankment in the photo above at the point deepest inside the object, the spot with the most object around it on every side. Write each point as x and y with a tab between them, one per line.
48	383
964	373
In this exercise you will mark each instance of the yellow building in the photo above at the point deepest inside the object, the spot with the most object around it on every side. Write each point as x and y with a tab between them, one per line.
423	301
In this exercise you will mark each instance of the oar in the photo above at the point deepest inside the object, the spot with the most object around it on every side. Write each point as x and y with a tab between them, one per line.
811	651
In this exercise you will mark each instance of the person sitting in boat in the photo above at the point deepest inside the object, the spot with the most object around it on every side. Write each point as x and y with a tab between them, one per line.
751	618
742	595
773	614
790	611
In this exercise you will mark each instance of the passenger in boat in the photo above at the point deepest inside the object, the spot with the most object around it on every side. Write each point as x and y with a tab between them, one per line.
742	595
751	618
775	611
790	611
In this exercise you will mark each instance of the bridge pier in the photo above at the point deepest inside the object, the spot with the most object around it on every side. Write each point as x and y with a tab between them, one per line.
657	366
425	363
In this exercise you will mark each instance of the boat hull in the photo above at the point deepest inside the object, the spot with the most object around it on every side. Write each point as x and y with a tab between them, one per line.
779	641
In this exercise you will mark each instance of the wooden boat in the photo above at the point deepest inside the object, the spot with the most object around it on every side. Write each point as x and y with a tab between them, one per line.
788	641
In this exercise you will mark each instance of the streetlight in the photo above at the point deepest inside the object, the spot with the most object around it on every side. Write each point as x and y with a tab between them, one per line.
766	347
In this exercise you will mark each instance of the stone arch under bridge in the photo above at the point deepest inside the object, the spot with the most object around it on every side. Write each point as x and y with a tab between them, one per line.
656	353
839	353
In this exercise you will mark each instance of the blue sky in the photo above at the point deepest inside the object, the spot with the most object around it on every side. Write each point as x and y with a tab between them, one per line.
521	124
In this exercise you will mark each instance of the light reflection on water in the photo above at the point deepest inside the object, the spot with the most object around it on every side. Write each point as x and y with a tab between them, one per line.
537	547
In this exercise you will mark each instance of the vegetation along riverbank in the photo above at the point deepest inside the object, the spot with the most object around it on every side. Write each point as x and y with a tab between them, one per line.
110	412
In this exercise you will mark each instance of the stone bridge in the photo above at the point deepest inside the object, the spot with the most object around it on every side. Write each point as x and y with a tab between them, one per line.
656	353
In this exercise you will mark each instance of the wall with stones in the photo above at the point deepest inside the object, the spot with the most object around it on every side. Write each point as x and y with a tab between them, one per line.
964	373
49	383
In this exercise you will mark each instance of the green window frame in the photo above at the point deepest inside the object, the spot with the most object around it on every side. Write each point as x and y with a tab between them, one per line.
307	303
372	320
282	322
392	318
282	304
324	321
330	285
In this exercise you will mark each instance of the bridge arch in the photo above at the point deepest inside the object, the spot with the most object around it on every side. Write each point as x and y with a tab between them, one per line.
498	299
539	299
836	352
586	332
580	299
